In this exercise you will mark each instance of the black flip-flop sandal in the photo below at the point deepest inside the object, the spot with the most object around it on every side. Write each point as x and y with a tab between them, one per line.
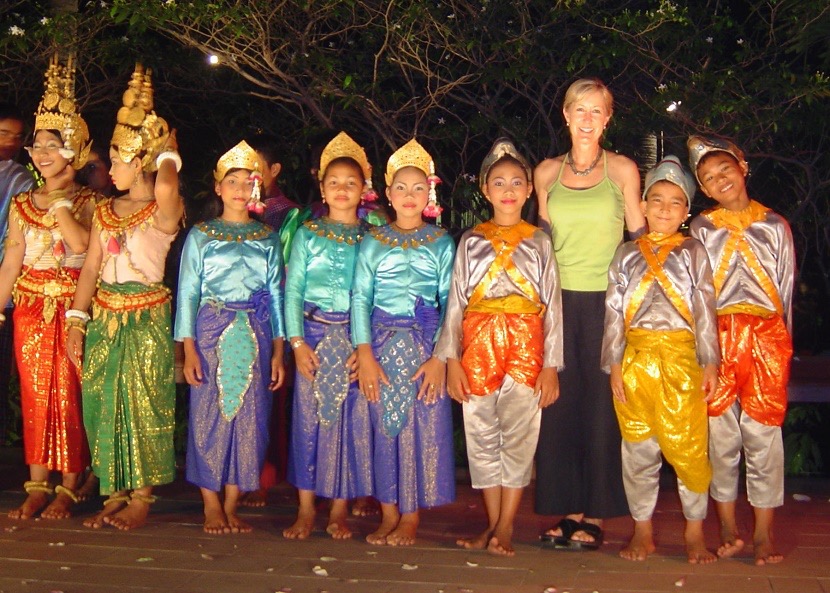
567	527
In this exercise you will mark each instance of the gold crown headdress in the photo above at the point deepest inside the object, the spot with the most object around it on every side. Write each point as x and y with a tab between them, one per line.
138	129
412	154
343	146
700	146
242	156
57	111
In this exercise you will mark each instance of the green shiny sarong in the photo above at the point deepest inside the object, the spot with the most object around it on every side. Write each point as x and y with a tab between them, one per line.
129	394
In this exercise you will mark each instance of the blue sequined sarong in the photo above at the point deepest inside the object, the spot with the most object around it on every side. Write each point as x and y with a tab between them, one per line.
229	411
331	437
413	451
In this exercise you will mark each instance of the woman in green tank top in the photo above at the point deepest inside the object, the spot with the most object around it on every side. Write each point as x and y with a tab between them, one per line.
585	197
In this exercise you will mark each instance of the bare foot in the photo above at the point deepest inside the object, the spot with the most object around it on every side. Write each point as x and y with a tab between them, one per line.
132	516
338	529
60	507
641	544
696	550
34	503
731	544
388	523
215	522
497	548
257	499
89	487
698	554
111	506
365	506
404	534
479	542
237	525
637	550
765	553
302	526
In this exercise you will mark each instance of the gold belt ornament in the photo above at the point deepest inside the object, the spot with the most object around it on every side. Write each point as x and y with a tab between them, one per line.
28	288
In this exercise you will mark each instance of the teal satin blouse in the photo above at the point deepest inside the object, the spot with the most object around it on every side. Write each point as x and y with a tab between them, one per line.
395	269
226	263
320	269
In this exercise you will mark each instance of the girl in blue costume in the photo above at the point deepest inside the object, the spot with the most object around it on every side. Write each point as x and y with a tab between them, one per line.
330	450
229	317
399	297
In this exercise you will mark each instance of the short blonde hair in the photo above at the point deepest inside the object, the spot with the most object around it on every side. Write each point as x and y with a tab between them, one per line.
585	86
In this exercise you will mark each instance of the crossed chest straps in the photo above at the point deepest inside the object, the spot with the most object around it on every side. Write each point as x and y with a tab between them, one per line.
736	244
656	273
505	240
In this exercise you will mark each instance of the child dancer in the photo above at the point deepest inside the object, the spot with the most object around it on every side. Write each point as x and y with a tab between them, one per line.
128	386
660	346
502	341
751	251
331	440
400	293
229	316
47	238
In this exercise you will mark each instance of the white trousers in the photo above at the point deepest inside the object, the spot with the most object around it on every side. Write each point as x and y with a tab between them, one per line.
641	463
502	429
763	448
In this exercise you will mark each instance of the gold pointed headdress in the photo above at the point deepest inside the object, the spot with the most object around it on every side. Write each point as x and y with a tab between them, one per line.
412	154
138	130
57	111
241	156
343	146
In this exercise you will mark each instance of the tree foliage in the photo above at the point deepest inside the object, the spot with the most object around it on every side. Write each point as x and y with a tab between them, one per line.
458	73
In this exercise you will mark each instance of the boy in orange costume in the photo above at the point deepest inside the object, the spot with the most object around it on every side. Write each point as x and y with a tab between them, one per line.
751	251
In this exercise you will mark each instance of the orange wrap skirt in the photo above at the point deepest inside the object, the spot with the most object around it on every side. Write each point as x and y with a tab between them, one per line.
755	353
50	389
499	344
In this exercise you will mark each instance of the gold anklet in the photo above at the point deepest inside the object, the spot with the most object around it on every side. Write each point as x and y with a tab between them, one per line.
61	489
114	499
35	486
142	498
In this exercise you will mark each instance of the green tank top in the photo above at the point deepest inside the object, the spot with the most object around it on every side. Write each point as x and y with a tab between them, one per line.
587	226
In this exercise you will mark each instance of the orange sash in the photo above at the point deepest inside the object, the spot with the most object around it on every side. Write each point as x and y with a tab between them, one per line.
504	241
656	273
736	223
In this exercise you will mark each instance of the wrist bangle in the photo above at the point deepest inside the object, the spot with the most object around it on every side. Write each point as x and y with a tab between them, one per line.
64	203
296	343
77	314
173	156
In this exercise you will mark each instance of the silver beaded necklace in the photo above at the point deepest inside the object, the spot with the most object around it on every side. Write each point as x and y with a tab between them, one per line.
583	172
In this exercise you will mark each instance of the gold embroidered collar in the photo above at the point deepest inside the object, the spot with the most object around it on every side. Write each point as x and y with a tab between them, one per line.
349	234
393	237
222	230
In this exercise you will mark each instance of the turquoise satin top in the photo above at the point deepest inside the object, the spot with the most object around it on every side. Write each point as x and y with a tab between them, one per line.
320	269
226	263
395	269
